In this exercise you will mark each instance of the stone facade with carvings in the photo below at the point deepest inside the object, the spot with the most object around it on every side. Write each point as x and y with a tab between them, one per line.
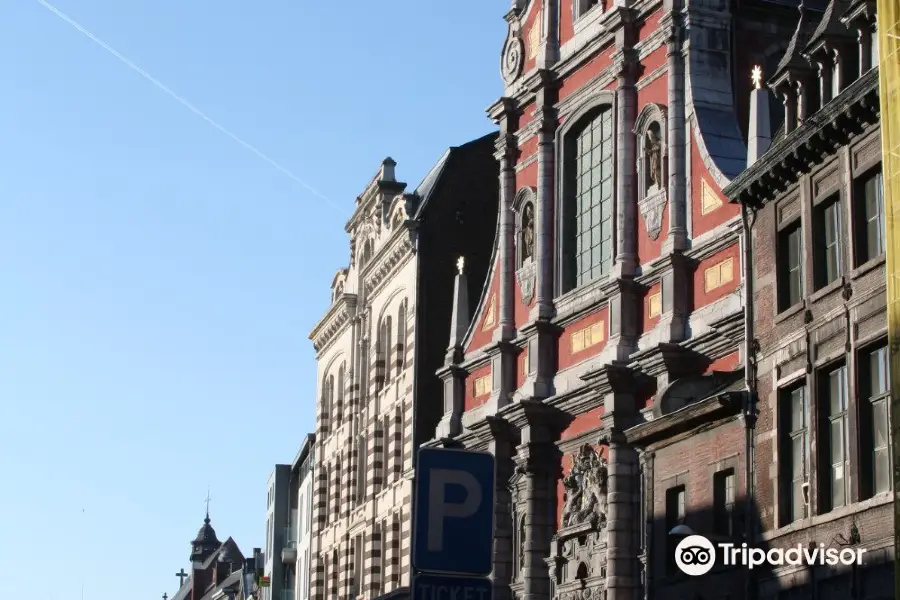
606	357
816	212
374	365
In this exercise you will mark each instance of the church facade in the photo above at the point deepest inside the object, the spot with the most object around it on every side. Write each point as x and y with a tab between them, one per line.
374	365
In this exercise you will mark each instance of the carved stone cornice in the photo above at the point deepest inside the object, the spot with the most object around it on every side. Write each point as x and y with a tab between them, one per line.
534	413
387	262
493	427
680	424
810	144
328	328
615	378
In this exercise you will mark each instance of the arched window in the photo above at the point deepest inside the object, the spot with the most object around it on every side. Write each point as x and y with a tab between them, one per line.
340	394
368	250
397	437
388	348
587	200
332	408
401	337
362	451
336	491
334	573
326	494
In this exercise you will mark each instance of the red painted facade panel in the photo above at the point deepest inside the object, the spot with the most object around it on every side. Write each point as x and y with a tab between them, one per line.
704	296
482	336
729	362
471	399
714	217
566	357
651	321
591	69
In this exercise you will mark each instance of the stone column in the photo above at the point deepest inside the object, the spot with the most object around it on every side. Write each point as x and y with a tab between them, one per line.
539	460
622	565
507	154
545	209
677	239
626	167
500	444
865	50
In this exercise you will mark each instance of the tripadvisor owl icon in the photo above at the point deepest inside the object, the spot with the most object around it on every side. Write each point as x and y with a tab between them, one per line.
695	555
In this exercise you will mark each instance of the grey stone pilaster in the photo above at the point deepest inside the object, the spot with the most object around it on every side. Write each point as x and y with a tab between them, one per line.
545	213
676	298
501	446
507	154
540	462
626	63
503	375
677	238
454	379
623	577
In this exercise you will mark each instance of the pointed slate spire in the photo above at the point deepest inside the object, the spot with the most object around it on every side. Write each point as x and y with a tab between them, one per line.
759	133
459	320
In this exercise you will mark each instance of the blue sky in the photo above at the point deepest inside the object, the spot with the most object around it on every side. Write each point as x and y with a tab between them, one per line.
159	280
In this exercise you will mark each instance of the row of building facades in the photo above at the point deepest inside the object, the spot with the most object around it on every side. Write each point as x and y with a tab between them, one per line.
656	294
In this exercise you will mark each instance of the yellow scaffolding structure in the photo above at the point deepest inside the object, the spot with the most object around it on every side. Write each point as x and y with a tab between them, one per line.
888	12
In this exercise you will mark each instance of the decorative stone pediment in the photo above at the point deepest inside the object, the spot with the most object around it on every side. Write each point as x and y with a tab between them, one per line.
651	208
327	330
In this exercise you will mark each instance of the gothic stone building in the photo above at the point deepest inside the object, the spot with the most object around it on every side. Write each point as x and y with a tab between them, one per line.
604	365
816	212
374	367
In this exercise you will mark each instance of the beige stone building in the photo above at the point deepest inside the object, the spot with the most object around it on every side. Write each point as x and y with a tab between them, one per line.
371	368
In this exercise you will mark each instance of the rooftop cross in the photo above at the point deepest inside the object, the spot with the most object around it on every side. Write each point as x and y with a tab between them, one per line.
181	576
207	505
165	596
756	76
460	264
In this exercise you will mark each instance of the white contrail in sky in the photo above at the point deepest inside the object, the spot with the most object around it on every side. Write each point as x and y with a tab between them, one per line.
185	103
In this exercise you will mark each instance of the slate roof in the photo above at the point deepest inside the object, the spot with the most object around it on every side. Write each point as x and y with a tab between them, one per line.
810	15
206	535
430	182
830	24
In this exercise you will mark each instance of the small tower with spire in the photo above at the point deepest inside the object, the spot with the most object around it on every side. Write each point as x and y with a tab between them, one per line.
206	541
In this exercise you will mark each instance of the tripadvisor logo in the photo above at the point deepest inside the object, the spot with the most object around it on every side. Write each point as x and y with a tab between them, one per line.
696	555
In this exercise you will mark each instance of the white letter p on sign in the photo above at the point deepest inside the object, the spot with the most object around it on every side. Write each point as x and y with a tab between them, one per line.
439	508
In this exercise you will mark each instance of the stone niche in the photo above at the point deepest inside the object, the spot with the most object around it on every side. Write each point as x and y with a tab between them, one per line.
578	560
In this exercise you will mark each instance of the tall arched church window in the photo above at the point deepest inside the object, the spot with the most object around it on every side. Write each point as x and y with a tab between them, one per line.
587	198
340	395
388	348
401	337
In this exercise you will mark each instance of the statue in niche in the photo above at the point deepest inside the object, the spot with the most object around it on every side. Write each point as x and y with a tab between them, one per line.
528	231
653	153
522	545
586	489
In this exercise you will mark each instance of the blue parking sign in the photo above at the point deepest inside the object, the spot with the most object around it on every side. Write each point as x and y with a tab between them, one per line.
453	525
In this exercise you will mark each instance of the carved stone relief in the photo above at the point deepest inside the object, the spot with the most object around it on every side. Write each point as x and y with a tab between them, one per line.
586	489
526	277
652	208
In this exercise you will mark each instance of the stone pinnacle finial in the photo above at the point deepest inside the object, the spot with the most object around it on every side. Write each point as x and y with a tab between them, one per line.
461	264
756	75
